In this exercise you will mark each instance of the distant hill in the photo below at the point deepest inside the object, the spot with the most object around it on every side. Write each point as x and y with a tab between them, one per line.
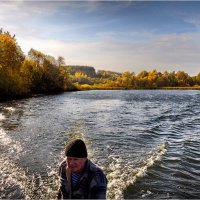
107	74
89	71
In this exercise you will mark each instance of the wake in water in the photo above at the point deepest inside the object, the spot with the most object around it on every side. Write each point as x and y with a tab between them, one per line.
13	146
124	138
10	109
19	184
120	176
13	181
2	117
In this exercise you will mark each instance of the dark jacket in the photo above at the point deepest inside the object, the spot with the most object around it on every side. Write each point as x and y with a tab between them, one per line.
92	184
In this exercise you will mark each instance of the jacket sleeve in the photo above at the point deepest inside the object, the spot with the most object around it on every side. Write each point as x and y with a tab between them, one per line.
62	167
98	186
59	195
99	193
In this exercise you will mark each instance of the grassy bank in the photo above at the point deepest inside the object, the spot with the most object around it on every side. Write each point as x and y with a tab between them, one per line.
106	87
181	88
98	87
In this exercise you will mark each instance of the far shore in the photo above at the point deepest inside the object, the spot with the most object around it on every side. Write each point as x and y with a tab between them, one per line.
103	87
99	87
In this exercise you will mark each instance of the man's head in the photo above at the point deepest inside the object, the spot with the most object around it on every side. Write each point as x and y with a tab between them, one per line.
76	153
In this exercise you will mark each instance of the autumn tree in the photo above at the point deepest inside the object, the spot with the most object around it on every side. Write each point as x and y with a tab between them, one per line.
152	79
43	73
11	59
184	79
51	59
172	79
127	79
37	56
60	61
197	79
32	75
11	55
141	80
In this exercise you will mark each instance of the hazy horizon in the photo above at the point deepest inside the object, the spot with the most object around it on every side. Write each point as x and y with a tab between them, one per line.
110	35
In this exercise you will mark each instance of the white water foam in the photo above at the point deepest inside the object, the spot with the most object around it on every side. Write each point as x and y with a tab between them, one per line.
5	140
120	176
15	184
10	109
2	117
13	181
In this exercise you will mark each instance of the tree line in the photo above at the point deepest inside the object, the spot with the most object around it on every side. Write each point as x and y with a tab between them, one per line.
36	72
22	75
129	80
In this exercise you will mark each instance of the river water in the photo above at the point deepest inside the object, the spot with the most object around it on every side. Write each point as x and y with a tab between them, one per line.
146	141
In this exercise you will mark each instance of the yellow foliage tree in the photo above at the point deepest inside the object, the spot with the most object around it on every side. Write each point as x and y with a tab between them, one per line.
11	59
11	55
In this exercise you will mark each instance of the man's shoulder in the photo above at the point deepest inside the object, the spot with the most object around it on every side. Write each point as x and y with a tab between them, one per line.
63	163
93	167
98	174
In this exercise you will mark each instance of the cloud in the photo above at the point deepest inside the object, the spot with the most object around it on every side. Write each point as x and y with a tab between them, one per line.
89	33
167	52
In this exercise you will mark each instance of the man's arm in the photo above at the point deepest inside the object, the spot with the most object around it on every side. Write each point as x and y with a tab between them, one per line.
59	195
98	186
98	193
61	167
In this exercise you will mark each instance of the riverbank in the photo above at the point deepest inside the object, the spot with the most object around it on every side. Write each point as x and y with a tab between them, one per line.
86	87
105	87
181	88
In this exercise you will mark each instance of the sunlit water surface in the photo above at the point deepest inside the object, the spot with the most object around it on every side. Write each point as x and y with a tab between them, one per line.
147	142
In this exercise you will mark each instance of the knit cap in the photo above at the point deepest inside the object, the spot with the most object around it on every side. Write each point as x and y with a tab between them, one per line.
76	148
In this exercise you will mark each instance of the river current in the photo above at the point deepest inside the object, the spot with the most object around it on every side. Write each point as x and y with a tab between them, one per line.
146	141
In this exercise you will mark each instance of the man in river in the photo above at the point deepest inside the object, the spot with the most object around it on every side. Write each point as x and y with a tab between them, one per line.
79	177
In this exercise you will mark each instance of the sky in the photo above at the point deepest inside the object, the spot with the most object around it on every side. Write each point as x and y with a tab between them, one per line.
109	35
